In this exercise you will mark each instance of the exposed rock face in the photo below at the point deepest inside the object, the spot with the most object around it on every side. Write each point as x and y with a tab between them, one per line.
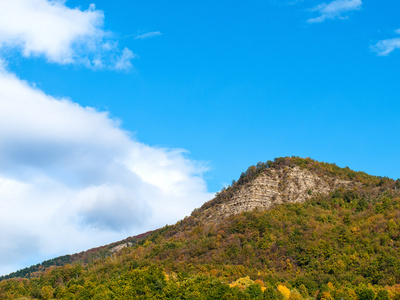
291	184
121	246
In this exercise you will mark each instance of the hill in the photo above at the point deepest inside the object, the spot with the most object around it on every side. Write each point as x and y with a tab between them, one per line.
84	257
291	228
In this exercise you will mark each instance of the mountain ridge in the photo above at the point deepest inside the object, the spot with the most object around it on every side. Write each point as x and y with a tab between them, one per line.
285	180
280	171
333	235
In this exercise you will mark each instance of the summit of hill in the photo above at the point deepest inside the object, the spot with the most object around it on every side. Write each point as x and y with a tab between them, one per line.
286	180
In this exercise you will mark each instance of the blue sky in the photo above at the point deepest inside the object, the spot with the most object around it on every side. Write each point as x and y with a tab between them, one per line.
238	83
107	107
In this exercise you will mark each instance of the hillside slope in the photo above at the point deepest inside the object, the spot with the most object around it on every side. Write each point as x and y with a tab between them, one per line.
292	228
84	257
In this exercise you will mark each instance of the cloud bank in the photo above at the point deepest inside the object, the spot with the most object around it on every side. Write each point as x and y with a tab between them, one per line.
60	34
337	9
70	177
385	47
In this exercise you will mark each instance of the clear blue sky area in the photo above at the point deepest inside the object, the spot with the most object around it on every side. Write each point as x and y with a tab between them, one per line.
232	82
238	82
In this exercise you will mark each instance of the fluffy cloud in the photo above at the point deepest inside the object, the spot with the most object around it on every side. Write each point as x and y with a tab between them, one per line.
60	34
70	178
385	47
335	10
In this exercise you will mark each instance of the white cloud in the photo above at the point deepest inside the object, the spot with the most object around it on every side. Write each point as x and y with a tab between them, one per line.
60	34
71	179
385	47
148	35
124	61
337	9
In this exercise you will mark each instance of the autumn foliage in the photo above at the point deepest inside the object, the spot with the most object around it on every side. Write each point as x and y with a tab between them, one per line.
344	245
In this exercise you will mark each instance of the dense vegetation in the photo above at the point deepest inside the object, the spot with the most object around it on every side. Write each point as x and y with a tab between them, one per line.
344	245
84	257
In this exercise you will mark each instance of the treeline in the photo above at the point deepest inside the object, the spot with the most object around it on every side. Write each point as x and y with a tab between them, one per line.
58	261
84	257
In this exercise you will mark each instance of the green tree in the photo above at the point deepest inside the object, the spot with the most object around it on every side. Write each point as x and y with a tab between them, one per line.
382	295
272	294
365	294
254	291
47	292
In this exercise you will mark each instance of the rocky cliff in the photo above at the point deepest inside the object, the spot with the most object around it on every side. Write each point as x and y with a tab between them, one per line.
272	187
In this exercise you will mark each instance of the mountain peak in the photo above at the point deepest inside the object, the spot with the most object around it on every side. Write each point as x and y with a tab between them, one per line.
284	180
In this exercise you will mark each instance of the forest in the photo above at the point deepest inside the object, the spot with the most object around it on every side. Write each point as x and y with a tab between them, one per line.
344	245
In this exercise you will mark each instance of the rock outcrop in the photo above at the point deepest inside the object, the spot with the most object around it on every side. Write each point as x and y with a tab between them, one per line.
276	186
120	247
